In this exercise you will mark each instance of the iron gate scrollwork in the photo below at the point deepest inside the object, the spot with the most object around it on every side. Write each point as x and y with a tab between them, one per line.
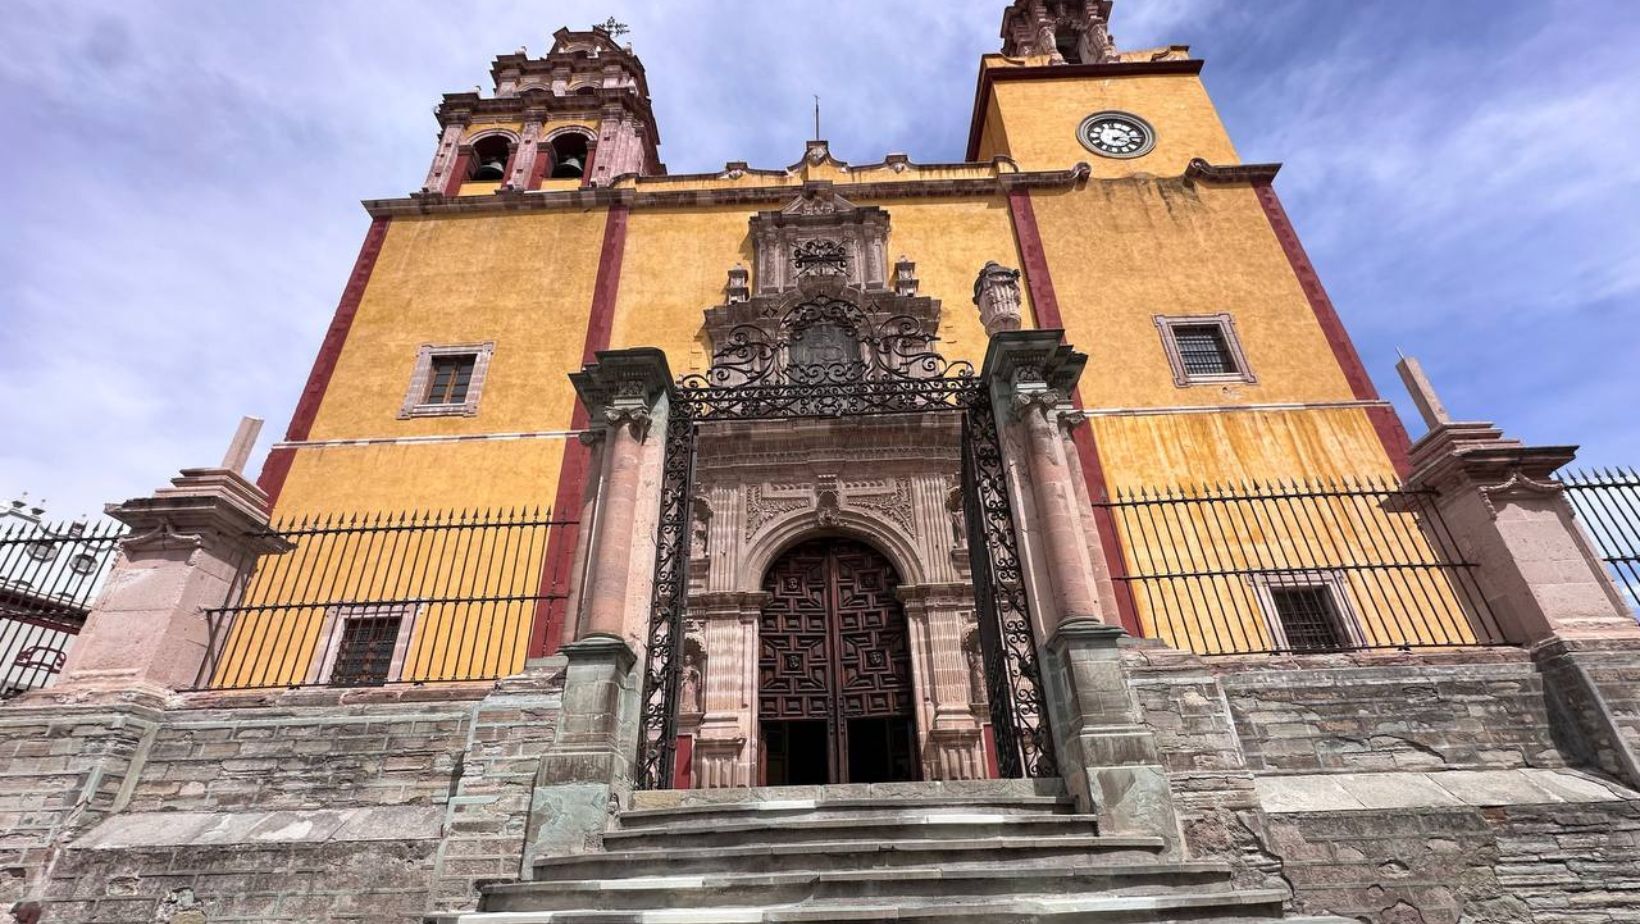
754	376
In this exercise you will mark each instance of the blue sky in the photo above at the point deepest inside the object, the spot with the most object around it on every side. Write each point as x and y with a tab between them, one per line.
183	179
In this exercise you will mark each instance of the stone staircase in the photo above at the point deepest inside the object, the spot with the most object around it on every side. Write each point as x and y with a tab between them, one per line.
933	853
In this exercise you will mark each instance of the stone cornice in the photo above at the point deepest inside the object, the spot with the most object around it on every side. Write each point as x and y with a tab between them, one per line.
755	196
988	76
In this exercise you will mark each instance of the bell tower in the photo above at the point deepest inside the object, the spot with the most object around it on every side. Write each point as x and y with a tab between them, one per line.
578	116
1062	31
1062	93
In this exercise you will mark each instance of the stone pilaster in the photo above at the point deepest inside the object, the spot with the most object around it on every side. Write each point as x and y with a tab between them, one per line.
725	752
189	543
529	150
937	614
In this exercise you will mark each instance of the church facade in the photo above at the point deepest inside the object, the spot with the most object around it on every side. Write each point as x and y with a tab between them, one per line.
1014	539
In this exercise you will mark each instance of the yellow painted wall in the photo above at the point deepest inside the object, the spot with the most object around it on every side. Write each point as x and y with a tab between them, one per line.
676	264
1124	251
1173	450
1036	122
489	474
523	280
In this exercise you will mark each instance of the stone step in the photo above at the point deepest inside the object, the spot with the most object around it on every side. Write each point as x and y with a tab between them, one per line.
848	854
770	808
771	889
1219	907
863	825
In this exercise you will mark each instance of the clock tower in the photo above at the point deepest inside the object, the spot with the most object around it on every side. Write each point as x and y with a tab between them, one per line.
1062	92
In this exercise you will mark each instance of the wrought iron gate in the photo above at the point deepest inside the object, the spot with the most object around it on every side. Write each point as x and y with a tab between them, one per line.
771	372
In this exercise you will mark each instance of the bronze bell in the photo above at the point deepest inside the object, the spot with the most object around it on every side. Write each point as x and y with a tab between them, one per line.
491	170
570	168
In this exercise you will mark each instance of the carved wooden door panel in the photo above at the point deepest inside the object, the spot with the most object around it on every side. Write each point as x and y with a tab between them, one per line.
833	644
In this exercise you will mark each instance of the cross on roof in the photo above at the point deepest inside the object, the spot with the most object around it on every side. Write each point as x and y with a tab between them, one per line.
615	28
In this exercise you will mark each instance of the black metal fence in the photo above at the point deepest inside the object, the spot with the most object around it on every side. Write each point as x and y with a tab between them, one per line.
1299	567
1607	501
367	600
49	574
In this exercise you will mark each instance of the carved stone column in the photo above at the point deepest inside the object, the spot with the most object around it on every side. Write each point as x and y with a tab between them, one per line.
996	292
1032	375
147	634
588	768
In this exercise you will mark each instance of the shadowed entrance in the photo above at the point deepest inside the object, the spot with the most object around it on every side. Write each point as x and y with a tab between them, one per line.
835	692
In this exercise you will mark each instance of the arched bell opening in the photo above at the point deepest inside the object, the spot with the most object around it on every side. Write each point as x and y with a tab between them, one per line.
1069	43
569	156
491	155
836	698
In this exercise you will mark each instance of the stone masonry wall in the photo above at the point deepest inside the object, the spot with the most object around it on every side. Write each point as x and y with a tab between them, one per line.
365	806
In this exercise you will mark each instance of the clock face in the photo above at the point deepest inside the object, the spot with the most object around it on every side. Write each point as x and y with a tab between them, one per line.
1117	134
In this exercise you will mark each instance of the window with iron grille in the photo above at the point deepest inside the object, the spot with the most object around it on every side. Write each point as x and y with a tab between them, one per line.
450	378
364	656
1204	350
1309	617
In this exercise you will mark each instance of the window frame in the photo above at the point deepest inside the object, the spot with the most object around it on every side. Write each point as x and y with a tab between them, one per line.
421	378
1168	326
1347	619
331	635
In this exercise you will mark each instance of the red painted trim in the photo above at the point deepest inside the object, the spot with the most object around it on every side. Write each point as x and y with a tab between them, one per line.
988	77
1045	305
546	634
545	155
1393	434
1355	372
988	741
278	464
458	172
683	763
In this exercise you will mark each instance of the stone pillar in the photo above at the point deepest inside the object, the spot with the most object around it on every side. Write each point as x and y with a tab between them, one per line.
147	635
1032	376
996	292
444	159
588	768
1539	572
529	149
1508	515
1108	756
725	752
952	742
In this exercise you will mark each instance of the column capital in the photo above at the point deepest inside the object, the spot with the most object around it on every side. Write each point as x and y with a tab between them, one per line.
623	388
1033	369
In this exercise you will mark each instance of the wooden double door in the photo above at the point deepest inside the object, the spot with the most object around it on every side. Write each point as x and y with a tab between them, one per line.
835	693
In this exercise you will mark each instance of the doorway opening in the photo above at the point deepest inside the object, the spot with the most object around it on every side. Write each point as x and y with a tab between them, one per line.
835	691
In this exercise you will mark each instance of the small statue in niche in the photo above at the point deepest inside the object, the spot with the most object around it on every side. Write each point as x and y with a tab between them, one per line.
959	523
977	694
691	694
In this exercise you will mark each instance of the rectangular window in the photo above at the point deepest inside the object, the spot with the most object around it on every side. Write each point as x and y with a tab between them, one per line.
1309	617
364	656
447	380
1204	350
451	377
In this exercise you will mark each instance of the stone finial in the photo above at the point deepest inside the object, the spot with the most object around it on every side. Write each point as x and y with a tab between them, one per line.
1423	393
905	278
996	292
244	440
